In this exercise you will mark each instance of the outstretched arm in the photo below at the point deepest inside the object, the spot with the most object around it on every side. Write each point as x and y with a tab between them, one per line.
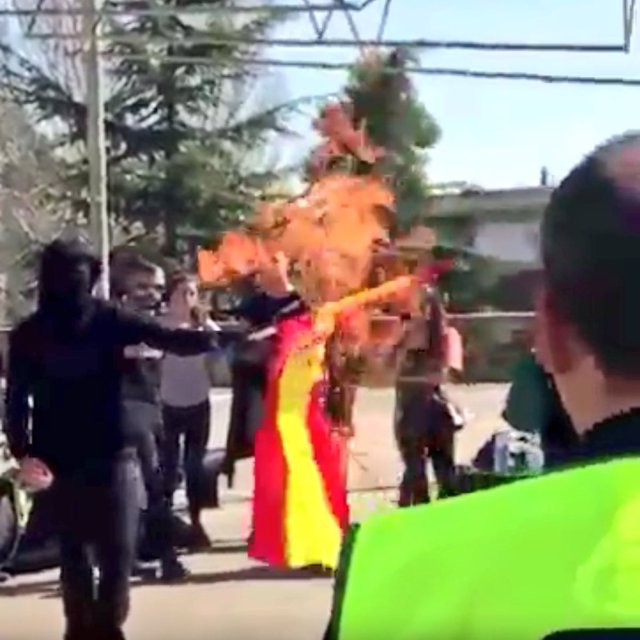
16	425
135	329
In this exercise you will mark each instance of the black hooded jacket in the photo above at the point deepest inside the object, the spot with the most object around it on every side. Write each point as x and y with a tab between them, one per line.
67	359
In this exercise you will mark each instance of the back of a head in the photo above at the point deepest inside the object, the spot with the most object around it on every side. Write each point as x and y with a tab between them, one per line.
67	251
591	254
69	270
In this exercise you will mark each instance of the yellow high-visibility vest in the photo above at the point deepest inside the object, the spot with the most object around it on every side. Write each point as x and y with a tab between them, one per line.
557	552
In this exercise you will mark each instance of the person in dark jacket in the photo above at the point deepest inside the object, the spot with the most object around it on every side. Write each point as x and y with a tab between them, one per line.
534	406
139	286
68	359
570	536
259	311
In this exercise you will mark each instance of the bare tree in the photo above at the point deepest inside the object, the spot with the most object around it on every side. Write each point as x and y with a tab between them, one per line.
45	40
32	212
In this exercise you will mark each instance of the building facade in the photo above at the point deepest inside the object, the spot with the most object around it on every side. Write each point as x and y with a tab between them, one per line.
497	233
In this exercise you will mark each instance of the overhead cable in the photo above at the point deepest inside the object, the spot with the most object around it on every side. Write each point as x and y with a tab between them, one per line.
416	70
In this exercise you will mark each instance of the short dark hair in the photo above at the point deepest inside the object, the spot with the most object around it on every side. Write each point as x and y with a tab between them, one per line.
124	268
590	241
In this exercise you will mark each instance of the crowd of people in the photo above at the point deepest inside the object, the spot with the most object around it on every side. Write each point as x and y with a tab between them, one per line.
110	401
102	398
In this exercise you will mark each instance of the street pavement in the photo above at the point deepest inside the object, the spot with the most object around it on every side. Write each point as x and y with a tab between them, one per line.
228	595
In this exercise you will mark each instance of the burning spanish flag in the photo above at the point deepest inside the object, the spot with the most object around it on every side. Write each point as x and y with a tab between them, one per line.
300	502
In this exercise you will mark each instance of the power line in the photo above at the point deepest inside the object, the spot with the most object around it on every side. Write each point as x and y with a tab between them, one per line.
417	70
115	10
421	43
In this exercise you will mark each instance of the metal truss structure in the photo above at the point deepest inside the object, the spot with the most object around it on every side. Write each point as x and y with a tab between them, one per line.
320	14
628	22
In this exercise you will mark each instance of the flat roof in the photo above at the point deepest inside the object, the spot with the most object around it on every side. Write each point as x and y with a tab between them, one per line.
473	202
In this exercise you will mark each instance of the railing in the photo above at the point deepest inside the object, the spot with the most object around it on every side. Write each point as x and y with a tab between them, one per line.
492	315
493	341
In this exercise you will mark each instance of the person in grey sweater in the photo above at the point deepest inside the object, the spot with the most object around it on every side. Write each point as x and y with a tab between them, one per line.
184	391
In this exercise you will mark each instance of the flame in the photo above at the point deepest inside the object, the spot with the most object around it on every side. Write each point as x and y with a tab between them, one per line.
238	255
335	124
330	235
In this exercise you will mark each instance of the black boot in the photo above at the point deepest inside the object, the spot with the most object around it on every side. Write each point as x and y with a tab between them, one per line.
199	540
107	634
172	570
80	633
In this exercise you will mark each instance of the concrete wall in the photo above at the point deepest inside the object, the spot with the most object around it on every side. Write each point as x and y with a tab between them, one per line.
502	224
508	241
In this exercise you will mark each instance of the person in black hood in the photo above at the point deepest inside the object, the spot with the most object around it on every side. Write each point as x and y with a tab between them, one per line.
68	359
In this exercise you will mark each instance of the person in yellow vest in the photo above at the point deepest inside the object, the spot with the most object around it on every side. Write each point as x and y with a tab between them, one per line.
556	556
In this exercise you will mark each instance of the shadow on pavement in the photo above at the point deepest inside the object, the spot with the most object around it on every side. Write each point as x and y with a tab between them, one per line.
248	574
45	588
227	548
49	589
254	574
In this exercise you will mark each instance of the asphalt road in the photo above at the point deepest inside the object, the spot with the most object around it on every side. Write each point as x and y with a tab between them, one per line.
228	595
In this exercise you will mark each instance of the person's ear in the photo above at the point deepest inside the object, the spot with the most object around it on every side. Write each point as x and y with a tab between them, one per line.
553	338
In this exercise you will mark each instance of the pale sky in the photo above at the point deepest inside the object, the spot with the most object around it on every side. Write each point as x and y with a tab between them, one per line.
495	133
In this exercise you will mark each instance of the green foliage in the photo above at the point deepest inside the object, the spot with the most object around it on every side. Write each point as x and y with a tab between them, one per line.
184	134
183	116
385	100
469	283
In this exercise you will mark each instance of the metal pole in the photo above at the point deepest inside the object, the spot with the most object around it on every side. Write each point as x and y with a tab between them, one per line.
96	146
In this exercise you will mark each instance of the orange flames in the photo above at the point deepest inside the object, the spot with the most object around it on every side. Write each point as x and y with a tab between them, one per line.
342	139
330	234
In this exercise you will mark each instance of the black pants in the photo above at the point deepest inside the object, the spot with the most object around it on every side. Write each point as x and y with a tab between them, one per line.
193	425
145	429
425	430
158	533
98	526
248	384
414	486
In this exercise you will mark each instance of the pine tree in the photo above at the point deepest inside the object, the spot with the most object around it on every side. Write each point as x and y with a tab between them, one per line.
385	100
180	132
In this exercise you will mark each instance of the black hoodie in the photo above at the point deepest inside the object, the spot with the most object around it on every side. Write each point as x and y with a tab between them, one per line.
68	359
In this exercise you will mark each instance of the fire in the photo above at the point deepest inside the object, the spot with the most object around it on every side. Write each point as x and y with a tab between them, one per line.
331	235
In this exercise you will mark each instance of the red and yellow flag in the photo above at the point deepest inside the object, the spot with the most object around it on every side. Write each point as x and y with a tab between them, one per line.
300	509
